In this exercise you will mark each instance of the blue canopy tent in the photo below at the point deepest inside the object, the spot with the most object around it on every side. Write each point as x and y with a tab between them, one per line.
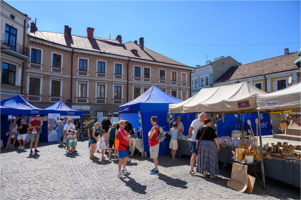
61	108
154	102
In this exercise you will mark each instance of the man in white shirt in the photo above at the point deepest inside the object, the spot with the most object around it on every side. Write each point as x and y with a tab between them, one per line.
194	127
68	126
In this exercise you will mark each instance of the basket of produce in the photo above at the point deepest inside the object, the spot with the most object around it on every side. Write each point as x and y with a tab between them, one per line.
281	124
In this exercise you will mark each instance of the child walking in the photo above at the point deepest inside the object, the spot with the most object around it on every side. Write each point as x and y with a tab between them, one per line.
102	143
74	144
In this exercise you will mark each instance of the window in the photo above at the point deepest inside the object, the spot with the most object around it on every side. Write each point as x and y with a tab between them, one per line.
192	84
12	17
164	90
281	84
137	71
202	82
35	56
206	81
10	36
101	67
196	83
258	85
146	72
173	76
34	86
118	69
184	75
117	92
56	88
101	91
83	65
162	74
8	73
56	60
136	92
174	93
134	51
82	90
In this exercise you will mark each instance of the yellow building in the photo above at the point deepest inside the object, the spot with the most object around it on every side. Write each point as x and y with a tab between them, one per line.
269	75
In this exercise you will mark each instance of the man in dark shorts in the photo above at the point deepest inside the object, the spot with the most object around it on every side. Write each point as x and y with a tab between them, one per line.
106	125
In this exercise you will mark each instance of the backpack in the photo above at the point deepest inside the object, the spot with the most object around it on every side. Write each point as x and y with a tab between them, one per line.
161	134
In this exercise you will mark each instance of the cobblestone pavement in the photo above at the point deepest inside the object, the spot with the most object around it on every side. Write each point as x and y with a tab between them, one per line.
51	174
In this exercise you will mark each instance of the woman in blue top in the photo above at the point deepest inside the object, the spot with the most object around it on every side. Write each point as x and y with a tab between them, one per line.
173	145
59	131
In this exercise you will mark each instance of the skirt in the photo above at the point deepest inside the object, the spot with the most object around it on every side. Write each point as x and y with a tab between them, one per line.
173	144
207	158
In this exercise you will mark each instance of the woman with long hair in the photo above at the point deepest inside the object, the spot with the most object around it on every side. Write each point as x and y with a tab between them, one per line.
93	140
13	131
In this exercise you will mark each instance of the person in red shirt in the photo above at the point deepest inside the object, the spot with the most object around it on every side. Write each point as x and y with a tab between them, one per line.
35	126
154	144
123	137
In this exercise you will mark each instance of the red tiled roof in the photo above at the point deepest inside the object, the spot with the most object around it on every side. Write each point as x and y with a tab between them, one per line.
262	67
104	45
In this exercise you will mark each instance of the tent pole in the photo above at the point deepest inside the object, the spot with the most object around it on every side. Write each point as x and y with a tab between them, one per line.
262	164
242	125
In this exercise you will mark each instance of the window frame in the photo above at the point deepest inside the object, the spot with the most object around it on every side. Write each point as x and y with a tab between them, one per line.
35	78
259	82
121	69
206	79
52	95
105	66
134	91
136	66
185	77
172	72
61	65
186	91
150	70
164	74
117	90
281	79
9	34
35	56
174	90
8	71
79	60
105	90
87	88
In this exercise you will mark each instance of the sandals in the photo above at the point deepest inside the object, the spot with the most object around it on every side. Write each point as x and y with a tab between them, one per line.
204	175
192	173
211	176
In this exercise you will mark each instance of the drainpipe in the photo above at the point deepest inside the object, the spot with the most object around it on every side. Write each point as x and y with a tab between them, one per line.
71	87
127	80
266	83
23	65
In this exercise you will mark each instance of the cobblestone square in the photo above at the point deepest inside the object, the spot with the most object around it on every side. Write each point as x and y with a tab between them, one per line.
51	174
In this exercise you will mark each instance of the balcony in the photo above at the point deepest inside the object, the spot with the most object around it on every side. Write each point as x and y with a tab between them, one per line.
16	50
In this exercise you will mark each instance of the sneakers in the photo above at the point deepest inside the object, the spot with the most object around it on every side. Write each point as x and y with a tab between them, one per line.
154	172
31	152
121	176
20	147
126	172
36	151
103	158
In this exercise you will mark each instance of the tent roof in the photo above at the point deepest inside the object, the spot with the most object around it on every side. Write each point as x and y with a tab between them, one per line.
153	96
228	98
62	108
286	99
18	102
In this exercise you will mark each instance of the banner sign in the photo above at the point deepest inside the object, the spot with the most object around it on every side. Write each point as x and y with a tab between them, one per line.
53	119
243	104
271	103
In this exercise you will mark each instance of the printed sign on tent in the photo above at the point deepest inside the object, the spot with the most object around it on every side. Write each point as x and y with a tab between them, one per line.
53	119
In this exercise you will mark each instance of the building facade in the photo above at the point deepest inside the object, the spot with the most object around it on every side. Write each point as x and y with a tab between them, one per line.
97	74
14	51
269	75
204	76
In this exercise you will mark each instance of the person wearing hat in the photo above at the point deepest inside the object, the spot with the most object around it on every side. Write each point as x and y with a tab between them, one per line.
106	125
112	135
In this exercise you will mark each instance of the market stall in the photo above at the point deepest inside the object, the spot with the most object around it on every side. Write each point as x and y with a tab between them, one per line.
153	102
238	98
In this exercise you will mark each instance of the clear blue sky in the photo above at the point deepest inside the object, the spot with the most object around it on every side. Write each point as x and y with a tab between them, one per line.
183	31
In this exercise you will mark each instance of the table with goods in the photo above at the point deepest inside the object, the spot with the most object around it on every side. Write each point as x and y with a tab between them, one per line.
184	145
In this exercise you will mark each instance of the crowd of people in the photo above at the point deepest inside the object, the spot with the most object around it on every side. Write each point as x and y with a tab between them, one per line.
115	137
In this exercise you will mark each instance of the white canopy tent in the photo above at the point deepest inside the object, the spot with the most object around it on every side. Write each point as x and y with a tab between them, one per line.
229	98
286	99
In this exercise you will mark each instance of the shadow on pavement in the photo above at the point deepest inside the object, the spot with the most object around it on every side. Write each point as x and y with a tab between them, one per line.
173	181
135	186
35	156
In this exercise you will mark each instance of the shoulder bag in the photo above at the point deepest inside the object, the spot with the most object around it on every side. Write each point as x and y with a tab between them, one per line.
202	135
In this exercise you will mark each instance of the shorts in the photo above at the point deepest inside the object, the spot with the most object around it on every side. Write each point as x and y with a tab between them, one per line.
92	141
173	144
122	154
34	137
111	143
193	147
21	137
154	151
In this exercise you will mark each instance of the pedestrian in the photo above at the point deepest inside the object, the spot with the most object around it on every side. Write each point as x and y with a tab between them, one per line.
68	126
65	120
154	144
60	130
23	129
123	137
77	126
102	143
128	127
13	131
106	125
173	145
112	136
72	140
93	140
207	146
90	126
194	127
69	137
35	126
180	126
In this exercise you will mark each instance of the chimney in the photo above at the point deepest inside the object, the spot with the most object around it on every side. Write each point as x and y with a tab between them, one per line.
136	42
90	32
119	39
33	27
286	51
67	31
141	43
